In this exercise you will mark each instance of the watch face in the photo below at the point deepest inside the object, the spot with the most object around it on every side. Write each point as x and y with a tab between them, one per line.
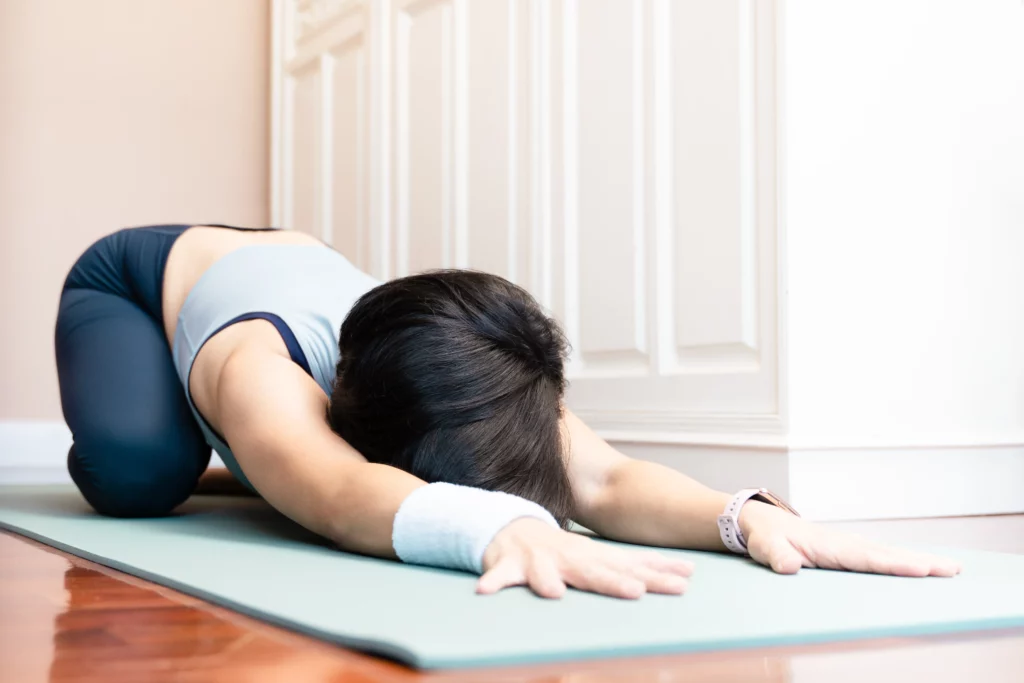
766	496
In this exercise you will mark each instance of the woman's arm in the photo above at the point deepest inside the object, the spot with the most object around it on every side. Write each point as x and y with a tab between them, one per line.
643	502
636	501
274	417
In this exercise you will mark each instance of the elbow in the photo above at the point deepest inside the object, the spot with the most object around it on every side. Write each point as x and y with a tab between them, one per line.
599	497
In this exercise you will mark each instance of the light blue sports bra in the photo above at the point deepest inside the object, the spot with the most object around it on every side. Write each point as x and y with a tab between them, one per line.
305	291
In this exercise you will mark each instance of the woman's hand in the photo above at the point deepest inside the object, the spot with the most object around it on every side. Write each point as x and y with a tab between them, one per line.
529	552
786	543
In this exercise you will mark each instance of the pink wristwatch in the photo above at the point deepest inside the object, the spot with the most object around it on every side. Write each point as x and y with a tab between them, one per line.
729	520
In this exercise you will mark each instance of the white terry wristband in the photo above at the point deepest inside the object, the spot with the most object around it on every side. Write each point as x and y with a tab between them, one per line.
446	525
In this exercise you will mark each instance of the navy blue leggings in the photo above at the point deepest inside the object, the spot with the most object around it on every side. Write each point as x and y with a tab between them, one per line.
137	451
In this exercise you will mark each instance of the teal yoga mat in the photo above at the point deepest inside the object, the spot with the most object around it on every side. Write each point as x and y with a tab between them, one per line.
245	556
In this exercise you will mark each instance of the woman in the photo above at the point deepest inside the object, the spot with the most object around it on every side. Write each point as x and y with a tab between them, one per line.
419	419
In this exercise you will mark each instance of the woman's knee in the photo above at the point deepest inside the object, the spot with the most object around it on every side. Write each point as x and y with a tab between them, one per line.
132	478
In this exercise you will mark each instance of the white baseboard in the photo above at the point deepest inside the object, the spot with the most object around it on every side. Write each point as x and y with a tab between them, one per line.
36	452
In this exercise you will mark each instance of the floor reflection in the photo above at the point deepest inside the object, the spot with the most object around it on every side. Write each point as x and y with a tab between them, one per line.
111	630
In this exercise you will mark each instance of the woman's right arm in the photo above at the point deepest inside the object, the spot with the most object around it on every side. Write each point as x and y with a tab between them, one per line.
274	417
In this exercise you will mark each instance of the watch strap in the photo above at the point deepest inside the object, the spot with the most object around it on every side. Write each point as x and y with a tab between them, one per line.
729	521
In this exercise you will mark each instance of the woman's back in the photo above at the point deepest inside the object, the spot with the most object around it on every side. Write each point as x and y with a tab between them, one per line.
198	249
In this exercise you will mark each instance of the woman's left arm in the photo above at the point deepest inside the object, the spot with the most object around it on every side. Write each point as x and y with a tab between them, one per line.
646	503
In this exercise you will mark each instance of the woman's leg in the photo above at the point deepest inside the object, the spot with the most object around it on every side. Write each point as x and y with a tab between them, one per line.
137	451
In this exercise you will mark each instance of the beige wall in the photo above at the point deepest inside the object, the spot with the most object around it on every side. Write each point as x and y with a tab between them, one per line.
116	113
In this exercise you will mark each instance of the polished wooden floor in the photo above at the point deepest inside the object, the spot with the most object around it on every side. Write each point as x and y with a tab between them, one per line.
66	619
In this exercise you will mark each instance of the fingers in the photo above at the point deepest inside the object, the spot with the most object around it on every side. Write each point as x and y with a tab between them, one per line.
659	582
508	572
659	573
855	554
539	572
544	578
630	574
922	564
602	579
782	557
945	566
908	563
831	550
897	563
850	553
665	564
547	561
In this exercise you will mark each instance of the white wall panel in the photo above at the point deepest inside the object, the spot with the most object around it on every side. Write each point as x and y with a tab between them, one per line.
304	153
714	273
319	130
607	133
425	129
496	110
668	177
348	182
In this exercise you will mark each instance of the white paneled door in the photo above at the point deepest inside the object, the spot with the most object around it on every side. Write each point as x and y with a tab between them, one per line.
615	157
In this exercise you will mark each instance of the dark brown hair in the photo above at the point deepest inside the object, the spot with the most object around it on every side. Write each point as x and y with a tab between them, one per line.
456	376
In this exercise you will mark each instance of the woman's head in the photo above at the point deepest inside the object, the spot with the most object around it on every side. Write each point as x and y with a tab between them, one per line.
456	376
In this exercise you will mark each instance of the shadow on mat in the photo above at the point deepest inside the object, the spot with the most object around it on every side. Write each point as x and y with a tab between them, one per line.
239	519
227	518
